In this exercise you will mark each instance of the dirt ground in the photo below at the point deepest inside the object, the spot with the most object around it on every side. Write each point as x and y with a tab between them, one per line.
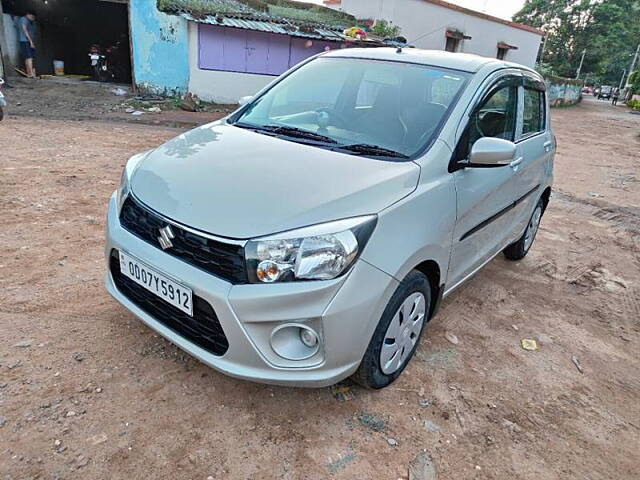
87	391
62	98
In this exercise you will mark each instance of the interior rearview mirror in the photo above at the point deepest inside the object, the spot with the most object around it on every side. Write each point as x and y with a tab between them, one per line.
245	100
491	152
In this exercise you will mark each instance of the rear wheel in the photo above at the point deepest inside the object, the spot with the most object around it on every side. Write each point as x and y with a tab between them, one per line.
518	250
1	114
397	335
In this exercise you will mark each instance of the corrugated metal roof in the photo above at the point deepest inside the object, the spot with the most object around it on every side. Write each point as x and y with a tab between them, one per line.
266	26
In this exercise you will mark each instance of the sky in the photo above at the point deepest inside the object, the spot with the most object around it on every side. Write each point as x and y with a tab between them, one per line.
499	8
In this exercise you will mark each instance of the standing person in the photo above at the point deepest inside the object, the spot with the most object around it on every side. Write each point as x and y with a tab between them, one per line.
614	96
26	31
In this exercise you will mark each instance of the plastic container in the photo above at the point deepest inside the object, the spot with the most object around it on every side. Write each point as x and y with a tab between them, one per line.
58	67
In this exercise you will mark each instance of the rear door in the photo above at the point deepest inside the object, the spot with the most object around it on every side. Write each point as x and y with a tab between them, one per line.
535	149
485	216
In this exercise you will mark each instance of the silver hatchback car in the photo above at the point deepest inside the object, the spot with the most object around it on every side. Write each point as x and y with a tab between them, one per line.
311	235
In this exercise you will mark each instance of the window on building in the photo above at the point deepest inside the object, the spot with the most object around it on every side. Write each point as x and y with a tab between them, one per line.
503	50
533	113
250	51
452	44
454	40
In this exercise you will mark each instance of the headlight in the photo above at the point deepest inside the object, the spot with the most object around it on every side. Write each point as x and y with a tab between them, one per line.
125	179
320	252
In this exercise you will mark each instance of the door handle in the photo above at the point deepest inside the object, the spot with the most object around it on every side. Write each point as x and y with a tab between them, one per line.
514	164
547	146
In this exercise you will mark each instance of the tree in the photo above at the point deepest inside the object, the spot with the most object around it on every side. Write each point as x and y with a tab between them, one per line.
608	30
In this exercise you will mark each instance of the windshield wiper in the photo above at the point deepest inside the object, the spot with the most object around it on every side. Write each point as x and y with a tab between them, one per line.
366	149
288	131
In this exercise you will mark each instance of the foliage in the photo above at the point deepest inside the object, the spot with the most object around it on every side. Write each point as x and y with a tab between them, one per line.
634	79
385	29
608	31
634	104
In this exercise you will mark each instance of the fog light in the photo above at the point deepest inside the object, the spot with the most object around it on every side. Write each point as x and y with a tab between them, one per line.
295	341
308	337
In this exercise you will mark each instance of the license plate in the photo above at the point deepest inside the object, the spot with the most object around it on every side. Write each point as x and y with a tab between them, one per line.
172	292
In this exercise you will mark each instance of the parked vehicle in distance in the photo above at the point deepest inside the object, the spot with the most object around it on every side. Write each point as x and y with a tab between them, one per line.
587	90
605	93
3	102
311	235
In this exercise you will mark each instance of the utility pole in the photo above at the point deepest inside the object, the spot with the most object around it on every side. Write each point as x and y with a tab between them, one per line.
581	62
633	65
544	47
624	74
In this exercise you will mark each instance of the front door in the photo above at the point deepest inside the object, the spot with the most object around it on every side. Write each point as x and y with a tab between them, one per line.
485	196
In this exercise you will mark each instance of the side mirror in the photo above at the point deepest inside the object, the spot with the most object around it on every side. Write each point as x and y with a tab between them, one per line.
490	152
245	100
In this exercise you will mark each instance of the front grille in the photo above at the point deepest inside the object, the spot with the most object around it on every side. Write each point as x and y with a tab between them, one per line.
203	328
223	260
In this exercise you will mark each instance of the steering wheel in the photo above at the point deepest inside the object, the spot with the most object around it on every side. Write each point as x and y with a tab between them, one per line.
333	115
486	119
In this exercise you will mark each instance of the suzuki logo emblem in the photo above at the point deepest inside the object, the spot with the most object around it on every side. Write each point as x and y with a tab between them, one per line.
166	235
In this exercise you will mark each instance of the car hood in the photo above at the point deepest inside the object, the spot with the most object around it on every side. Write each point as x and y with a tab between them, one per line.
237	183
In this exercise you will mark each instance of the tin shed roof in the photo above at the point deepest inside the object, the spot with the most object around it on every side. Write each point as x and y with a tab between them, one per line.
270	11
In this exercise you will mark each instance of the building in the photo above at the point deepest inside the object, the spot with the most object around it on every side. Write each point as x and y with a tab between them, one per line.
440	25
220	50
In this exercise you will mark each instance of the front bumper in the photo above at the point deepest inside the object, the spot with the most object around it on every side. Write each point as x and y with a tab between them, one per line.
344	311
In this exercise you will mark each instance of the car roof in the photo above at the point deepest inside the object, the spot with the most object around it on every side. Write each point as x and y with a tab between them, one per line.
458	61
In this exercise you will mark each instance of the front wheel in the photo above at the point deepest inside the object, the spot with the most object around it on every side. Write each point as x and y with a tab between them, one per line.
519	249
1	114
397	335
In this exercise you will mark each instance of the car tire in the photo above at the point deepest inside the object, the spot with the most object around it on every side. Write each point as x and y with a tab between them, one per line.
375	374
1	114
519	249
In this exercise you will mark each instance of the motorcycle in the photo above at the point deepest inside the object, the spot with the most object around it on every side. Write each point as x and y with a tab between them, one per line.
99	67
3	102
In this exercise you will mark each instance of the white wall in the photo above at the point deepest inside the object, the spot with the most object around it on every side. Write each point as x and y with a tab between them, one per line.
424	25
220	87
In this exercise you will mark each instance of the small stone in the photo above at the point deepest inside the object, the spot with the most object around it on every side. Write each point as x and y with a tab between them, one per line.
99	390
81	461
424	403
515	327
431	427
78	357
57	443
421	392
478	467
70	413
422	468
392	441
544	339
98	439
451	338
2	421
210	477
23	344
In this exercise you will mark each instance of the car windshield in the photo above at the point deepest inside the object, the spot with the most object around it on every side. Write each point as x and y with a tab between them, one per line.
360	106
